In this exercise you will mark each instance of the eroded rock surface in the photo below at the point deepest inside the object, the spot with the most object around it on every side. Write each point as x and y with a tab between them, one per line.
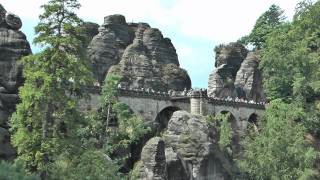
137	52
248	81
228	61
6	150
153	161
190	149
13	46
236	74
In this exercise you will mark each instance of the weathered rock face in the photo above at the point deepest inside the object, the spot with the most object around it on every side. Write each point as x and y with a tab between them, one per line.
13	46
153	160
228	61
6	150
248	81
137	52
236	74
190	150
88	31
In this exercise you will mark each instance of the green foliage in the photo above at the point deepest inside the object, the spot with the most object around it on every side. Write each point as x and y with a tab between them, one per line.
290	64
14	171
290	58
225	130
89	165
279	150
131	128
45	123
113	128
223	125
264	25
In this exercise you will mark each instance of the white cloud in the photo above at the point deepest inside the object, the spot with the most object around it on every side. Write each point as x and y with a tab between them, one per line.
25	9
214	20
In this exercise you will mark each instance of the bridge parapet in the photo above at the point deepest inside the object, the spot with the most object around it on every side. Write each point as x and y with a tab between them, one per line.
237	103
200	94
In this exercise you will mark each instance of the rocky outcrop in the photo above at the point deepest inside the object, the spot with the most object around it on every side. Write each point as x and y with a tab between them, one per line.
88	31
13	46
153	161
6	150
227	63
191	151
248	83
138	53
236	74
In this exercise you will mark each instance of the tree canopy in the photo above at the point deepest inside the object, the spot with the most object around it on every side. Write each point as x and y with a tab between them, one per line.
264	25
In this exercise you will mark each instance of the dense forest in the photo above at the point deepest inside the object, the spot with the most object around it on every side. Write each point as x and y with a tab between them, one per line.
56	140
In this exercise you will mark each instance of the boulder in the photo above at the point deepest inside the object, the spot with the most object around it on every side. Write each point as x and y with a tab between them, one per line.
138	53
13	21
115	19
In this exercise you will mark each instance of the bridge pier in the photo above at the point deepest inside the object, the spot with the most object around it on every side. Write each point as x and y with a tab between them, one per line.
198	102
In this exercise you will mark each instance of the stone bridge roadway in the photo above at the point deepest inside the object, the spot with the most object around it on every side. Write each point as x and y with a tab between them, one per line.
159	106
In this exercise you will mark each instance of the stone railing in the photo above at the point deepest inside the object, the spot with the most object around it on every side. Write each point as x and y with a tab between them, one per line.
185	94
237	102
150	93
229	101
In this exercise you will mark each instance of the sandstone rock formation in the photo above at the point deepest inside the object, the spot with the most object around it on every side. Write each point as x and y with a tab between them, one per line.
6	150
248	81
190	151
88	31
153	161
137	52
228	61
13	46
236	74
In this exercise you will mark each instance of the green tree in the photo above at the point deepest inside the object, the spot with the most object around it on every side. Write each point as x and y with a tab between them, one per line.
264	25
113	127
90	164
45	123
14	171
127	128
279	150
290	65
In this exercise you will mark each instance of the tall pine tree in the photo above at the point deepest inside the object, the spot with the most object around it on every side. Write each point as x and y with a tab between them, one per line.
45	122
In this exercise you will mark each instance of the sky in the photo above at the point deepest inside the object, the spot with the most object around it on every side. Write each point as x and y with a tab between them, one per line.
195	27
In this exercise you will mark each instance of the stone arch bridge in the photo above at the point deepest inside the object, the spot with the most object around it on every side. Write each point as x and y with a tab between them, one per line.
155	106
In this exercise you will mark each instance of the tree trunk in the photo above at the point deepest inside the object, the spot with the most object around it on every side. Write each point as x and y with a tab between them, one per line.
104	134
46	133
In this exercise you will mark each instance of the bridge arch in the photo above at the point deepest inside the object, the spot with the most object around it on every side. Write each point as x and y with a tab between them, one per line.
163	117
235	137
231	118
253	121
